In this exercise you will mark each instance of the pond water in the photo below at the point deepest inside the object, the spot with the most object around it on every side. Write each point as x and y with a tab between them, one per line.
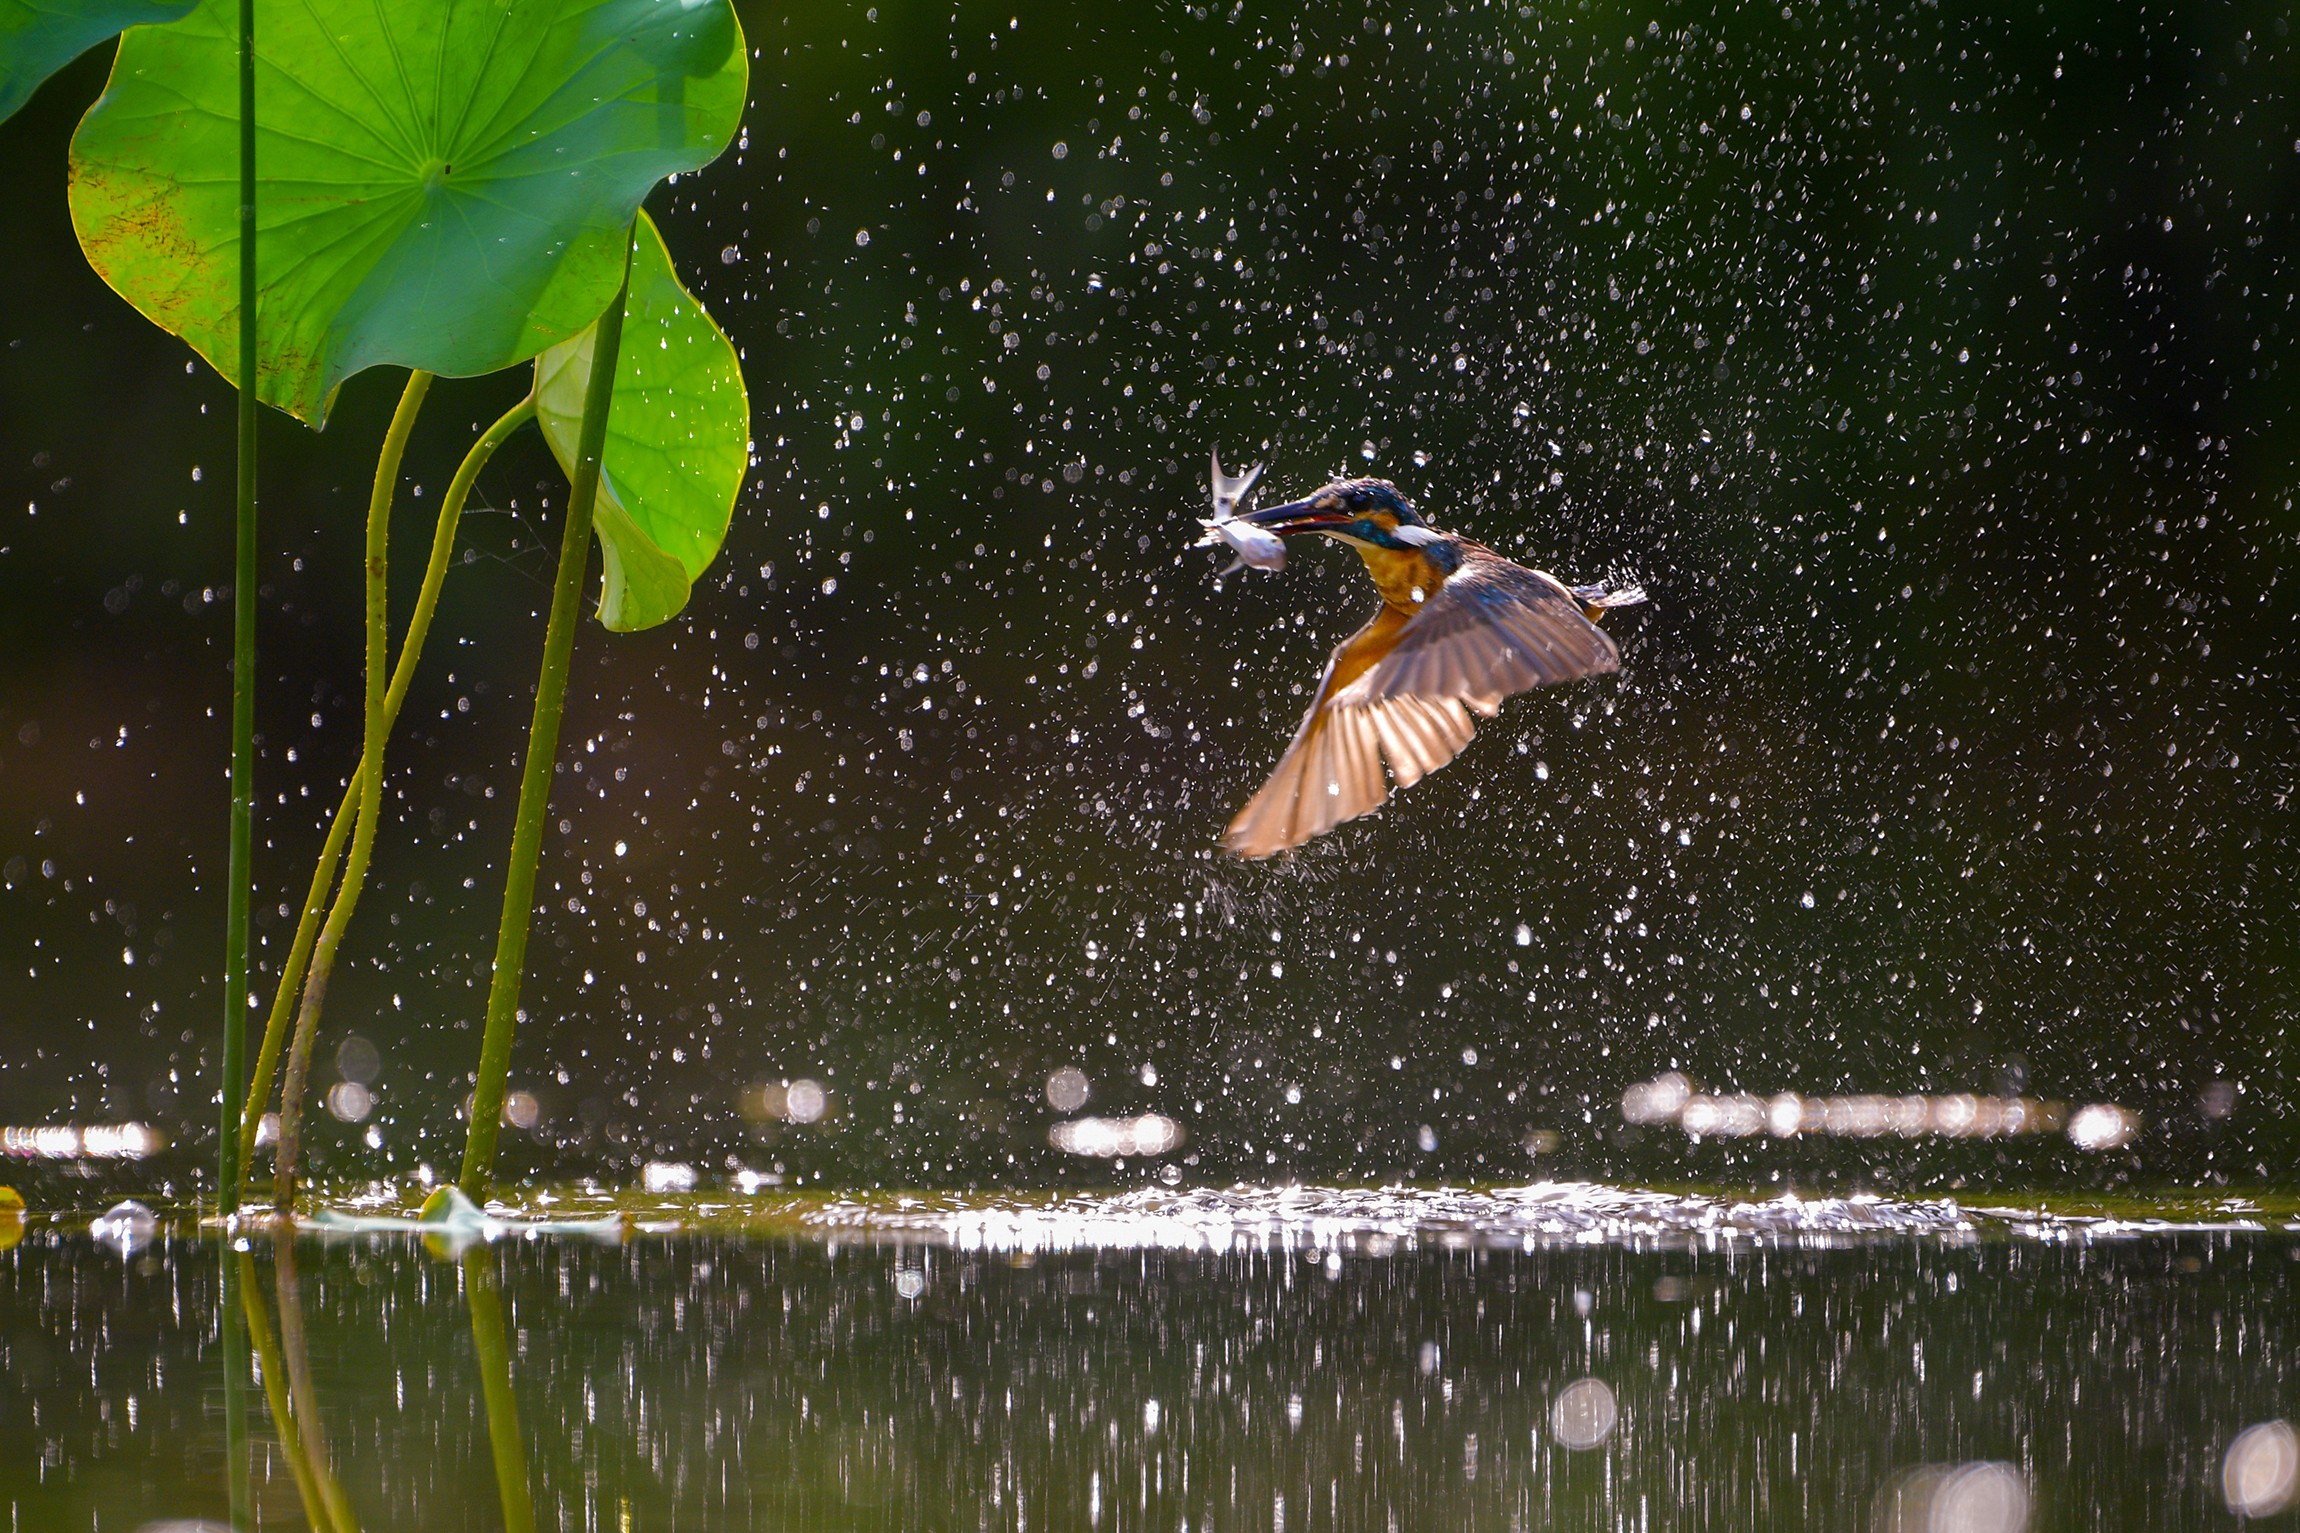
1928	367
1560	1355
1927	363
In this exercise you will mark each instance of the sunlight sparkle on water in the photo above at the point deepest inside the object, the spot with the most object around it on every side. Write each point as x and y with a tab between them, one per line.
2262	1470
101	1141
1981	1497
1584	1413
1672	1098
1376	1221
1104	1138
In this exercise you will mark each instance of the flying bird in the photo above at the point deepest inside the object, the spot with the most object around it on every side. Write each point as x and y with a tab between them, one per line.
1460	628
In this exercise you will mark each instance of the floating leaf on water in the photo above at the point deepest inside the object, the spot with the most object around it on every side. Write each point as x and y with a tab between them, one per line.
450	1207
451	1219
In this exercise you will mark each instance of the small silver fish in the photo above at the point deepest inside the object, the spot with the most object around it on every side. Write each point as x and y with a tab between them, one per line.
1253	546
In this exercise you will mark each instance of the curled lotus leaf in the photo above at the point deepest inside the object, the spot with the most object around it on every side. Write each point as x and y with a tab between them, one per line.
678	439
442	184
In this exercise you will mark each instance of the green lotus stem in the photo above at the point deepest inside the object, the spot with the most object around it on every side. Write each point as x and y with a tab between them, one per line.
542	747
291	977
339	830
238	875
370	791
503	1436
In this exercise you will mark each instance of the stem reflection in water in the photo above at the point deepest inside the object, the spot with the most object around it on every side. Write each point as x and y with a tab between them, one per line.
284	1360
286	1364
485	1297
233	1331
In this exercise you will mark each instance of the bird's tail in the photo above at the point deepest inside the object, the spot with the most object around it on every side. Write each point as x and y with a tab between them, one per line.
1597	599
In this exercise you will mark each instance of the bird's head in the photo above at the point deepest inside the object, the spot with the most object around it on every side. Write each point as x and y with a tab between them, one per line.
1368	512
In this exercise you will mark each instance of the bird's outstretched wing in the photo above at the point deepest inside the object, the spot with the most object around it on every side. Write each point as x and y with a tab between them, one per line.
1404	687
1495	628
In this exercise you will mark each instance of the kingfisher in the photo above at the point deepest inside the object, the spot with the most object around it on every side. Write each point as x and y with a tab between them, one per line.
1459	629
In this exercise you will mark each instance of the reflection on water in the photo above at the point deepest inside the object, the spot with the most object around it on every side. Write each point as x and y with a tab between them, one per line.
1672	1098
127	1226
284	1363
1374	1221
504	1440
1373	1363
96	1141
2263	1469
1584	1413
1987	1497
1148	1134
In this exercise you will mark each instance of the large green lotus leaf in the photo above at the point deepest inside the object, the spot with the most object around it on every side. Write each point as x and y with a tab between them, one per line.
39	37
443	184
678	439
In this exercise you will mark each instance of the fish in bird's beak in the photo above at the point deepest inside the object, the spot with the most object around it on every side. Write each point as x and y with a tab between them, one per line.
1227	529
1299	516
1253	546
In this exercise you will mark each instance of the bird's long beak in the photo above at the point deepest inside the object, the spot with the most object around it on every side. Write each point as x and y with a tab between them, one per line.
1295	517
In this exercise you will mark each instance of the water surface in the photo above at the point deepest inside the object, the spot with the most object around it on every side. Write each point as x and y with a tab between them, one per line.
1289	1358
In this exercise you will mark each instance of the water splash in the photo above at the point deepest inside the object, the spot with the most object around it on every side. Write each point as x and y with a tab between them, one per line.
1377	1221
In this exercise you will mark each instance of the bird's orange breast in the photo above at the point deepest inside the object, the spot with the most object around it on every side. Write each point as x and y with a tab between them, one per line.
1406	580
1405	576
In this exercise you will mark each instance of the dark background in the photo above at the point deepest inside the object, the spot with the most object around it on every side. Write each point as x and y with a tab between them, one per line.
1930	366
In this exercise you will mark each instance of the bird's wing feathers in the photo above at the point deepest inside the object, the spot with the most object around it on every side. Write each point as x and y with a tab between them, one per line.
1330	773
1493	629
1406	690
